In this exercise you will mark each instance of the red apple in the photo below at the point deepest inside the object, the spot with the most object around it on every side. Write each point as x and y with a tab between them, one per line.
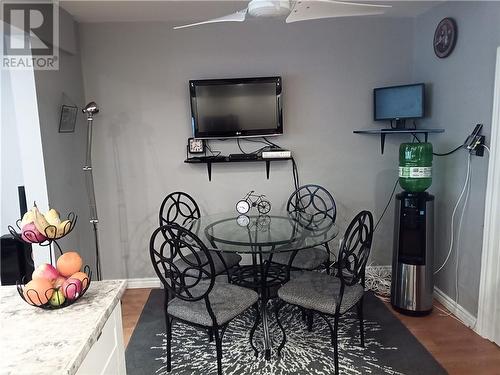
72	288
45	271
30	234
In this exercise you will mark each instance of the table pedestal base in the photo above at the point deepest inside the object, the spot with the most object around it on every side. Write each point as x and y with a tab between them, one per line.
261	276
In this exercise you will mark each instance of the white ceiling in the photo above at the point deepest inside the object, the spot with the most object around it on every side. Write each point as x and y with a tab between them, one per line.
194	10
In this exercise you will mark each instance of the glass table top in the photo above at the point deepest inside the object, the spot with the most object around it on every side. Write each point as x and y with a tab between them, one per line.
280	231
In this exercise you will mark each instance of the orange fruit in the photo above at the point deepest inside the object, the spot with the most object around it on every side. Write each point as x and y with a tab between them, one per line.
83	277
38	292
69	263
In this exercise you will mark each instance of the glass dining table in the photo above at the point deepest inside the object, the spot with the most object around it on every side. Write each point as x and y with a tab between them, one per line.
262	237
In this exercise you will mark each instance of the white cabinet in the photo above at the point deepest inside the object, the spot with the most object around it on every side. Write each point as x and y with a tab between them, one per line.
107	355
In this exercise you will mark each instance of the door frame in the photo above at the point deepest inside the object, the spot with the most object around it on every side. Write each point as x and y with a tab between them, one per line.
488	315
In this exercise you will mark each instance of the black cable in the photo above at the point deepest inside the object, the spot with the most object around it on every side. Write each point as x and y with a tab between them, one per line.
270	143
253	152
387	205
256	141
295	173
449	152
212	152
239	146
437	153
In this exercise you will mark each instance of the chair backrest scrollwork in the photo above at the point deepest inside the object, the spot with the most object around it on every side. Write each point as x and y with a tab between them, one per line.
317	205
178	207
182	262
355	249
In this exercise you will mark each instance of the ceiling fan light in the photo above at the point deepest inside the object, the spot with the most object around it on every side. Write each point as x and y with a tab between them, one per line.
269	8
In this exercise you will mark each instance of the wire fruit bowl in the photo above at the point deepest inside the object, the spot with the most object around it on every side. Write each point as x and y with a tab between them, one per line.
50	234
33	298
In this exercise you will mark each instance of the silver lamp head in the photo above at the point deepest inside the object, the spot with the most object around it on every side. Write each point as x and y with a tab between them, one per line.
91	109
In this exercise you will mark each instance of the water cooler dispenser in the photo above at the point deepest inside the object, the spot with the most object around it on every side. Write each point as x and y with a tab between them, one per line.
412	266
412	284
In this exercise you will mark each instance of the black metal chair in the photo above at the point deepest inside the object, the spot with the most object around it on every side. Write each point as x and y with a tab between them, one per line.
194	298
180	208
320	211
329	295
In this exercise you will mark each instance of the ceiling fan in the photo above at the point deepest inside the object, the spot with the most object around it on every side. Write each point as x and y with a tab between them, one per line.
297	10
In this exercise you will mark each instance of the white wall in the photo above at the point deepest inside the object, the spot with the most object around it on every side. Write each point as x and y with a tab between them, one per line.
138	74
461	96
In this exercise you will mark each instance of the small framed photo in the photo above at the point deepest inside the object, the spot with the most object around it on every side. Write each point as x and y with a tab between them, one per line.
68	119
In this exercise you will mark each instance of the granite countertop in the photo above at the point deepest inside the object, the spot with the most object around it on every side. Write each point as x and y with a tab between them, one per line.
36	341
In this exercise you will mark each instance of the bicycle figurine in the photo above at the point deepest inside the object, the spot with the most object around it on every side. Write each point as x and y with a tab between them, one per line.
253	200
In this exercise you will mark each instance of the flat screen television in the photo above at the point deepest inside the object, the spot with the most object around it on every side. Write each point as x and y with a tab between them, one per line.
236	107
399	102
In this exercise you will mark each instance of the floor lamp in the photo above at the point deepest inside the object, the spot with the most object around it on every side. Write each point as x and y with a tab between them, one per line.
90	110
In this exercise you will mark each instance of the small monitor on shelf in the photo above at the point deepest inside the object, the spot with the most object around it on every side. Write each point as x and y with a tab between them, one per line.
399	103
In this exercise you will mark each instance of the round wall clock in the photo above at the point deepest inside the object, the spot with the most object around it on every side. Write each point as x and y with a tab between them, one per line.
445	37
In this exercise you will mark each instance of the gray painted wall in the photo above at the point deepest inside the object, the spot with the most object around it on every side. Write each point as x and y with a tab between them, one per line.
138	74
461	96
64	153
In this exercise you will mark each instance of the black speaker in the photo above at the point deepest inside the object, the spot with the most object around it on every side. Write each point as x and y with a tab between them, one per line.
15	255
15	260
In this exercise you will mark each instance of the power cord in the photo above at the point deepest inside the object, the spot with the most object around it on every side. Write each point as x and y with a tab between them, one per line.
387	205
453	216
295	173
459	233
449	152
252	152
210	149
437	153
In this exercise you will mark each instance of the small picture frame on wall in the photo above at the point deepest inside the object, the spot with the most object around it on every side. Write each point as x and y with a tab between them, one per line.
68	119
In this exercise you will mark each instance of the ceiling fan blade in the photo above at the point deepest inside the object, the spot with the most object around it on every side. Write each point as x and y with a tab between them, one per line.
239	16
315	9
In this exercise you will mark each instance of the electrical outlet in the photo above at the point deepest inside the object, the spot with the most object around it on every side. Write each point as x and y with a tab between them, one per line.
478	146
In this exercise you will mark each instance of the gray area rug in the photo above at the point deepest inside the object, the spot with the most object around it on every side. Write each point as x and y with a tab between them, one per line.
389	347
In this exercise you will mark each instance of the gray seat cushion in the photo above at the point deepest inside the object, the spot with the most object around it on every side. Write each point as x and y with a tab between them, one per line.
319	291
231	260
227	301
306	259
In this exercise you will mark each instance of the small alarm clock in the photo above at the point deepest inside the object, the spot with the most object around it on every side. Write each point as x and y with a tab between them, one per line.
196	146
242	207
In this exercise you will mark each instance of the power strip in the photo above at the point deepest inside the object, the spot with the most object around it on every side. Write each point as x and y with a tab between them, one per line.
276	154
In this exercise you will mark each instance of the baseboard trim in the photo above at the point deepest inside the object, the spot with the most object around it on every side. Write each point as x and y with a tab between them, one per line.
146	282
449	303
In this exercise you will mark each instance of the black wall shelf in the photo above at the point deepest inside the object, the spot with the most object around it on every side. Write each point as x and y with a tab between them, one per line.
384	132
224	159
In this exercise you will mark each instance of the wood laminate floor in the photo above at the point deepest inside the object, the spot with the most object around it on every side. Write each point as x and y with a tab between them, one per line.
457	348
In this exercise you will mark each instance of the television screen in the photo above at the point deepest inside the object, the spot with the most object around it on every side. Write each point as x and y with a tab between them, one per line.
241	107
399	102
